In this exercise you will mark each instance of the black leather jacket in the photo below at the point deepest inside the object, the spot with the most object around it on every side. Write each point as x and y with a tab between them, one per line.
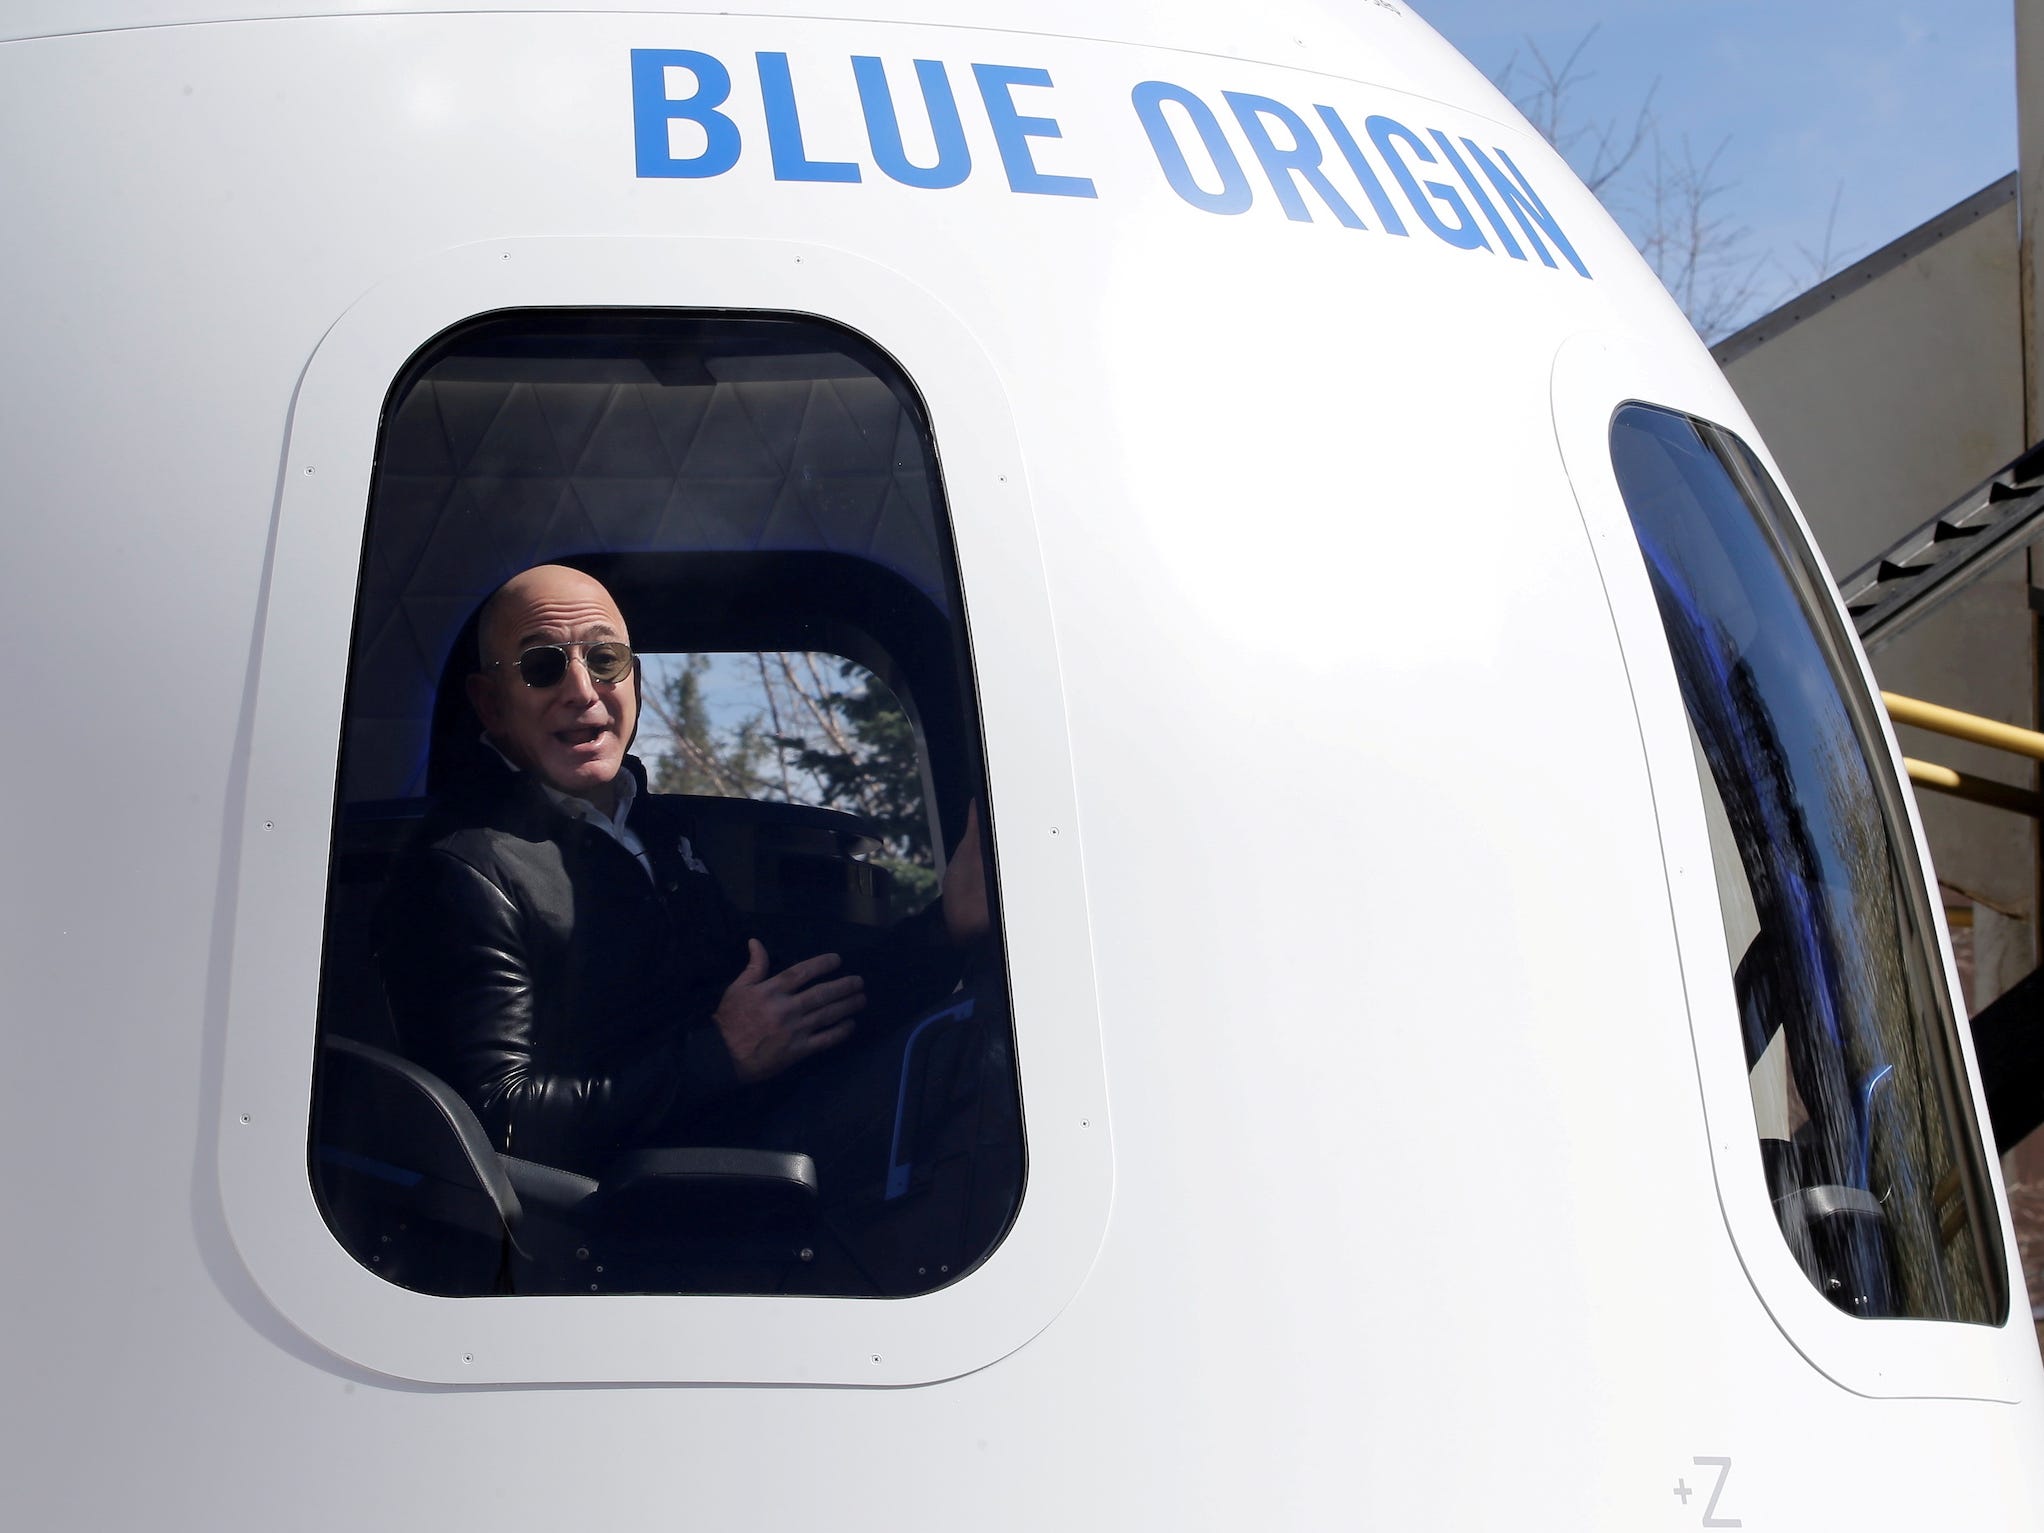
531	964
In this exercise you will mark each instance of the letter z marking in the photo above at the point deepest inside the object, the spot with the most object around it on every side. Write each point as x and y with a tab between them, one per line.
1724	1468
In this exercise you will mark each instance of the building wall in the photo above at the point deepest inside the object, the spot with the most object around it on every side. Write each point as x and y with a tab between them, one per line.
1898	385
1886	394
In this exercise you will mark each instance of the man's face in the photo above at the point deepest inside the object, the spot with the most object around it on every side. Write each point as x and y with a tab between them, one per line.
572	734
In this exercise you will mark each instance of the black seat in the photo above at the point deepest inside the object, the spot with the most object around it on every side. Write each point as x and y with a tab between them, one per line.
405	1176
411	1187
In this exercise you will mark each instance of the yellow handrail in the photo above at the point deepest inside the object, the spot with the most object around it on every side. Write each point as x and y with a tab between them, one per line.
1978	790
1964	726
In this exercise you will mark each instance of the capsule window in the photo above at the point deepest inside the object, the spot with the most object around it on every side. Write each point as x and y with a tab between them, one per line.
1870	1148
663	949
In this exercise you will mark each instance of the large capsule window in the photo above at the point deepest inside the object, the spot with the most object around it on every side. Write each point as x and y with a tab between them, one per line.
1869	1145
663	949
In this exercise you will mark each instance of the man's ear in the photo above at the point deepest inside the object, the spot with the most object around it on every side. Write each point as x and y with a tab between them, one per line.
482	697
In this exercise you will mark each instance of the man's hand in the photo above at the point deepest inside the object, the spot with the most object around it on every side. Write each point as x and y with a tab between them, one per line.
965	884
770	1022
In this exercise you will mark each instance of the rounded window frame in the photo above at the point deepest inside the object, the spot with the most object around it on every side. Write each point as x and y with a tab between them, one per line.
287	807
1592	378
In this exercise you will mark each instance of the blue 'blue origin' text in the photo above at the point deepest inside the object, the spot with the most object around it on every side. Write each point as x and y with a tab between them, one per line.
1315	165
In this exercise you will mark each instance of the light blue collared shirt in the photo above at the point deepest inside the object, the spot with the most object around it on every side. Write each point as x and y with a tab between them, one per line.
612	825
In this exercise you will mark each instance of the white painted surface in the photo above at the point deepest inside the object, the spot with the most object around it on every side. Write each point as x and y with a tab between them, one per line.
1421	1211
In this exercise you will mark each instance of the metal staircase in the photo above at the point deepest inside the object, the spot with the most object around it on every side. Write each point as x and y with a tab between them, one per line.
1949	552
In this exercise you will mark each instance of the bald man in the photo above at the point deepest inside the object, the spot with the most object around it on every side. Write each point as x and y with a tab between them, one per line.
552	947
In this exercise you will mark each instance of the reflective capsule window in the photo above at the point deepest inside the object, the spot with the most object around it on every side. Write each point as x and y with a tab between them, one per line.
663	950
1867	1135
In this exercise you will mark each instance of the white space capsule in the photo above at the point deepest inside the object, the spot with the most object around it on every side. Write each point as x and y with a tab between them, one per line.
1465	1037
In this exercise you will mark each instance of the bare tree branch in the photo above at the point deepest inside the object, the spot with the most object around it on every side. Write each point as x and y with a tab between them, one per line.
657	702
1825	260
1699	252
774	714
1670	202
826	721
1544	93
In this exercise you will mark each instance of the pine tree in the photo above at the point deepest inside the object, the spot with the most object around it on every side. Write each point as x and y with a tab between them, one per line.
873	770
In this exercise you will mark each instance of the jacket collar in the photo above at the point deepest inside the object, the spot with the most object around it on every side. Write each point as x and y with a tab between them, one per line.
518	801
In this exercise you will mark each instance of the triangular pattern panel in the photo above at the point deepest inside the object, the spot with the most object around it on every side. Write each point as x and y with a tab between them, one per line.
481	479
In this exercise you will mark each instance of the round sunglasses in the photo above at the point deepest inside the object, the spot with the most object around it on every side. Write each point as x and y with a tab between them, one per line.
543	665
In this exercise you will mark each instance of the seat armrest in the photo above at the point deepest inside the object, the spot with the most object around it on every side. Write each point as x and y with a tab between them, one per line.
709	1190
548	1189
376	1106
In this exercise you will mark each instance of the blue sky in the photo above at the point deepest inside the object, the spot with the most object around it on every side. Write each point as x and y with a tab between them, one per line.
1908	107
